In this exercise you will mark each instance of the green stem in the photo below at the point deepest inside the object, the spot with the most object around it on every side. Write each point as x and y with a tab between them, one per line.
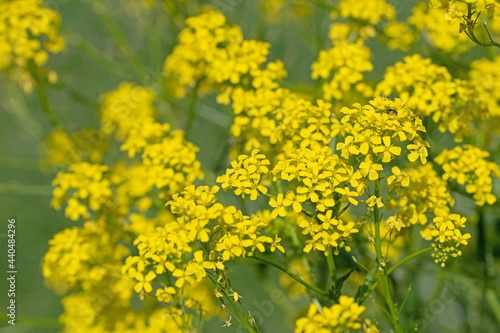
191	113
19	189
411	256
369	284
383	267
492	298
305	259
42	94
292	275
331	266
239	316
469	23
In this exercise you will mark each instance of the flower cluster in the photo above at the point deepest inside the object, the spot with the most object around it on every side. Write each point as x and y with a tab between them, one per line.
484	75
28	33
443	36
468	166
456	9
423	86
360	20
76	252
61	149
123	198
344	315
172	248
300	166
323	181
277	121
420	191
447	237
430	90
346	61
84	185
210	52
129	112
89	259
371	12
245	175
398	36
374	130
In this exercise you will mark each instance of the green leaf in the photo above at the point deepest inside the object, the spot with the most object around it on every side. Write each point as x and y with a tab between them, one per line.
335	289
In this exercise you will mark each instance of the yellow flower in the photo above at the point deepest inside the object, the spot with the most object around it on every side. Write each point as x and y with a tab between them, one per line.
447	237
28	33
344	315
373	200
417	150
279	206
144	282
370	169
347	62
468	165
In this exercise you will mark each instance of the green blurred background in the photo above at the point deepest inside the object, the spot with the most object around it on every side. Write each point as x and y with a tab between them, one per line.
95	64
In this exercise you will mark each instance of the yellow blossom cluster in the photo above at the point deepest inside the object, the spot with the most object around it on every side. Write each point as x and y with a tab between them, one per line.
375	130
89	313
447	237
171	162
125	198
457	9
343	65
309	162
361	19
468	166
398	36
28	33
245	175
276	121
443	36
369	19
172	248
371	12
211	53
344	315
484	76
60	149
84	185
266	114
430	90
420	192
322	180
168	161
129	112
122	108
88	259
75	253
422	85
